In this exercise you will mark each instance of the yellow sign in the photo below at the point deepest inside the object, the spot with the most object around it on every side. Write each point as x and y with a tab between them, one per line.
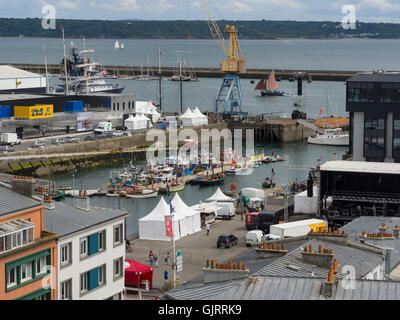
38	111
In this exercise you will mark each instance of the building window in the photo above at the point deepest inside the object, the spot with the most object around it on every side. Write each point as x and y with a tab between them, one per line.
390	92
374	139
123	105
16	233
102	274
41	265
84	282
396	139
66	256
118	268
12	277
102	240
26	272
66	290
360	92
118	236
84	247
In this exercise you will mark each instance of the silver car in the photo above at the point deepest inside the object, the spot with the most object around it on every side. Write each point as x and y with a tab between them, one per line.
37	144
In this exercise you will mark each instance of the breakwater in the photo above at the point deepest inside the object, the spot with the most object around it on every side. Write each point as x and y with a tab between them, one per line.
319	75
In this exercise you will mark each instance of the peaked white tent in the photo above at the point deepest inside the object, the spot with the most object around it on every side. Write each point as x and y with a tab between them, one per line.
147	108
188	119
152	226
130	123
219	196
200	118
145	122
192	220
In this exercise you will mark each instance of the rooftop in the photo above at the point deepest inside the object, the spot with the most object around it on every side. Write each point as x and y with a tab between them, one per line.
371	224
7	72
21	96
66	219
383	76
292	265
361	166
11	201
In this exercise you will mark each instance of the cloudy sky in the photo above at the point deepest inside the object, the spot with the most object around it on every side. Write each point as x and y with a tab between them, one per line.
366	10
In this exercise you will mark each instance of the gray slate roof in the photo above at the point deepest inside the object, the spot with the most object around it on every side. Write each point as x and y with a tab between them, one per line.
374	77
286	288
66	219
363	261
371	225
11	201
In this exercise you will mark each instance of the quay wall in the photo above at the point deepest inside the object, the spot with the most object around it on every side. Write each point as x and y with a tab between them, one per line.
284	74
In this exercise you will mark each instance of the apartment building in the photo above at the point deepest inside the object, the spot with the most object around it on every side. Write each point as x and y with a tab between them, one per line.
28	252
91	249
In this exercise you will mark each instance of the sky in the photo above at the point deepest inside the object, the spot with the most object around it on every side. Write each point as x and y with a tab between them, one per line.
301	10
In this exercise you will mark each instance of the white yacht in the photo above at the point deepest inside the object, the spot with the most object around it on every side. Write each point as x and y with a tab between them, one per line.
330	137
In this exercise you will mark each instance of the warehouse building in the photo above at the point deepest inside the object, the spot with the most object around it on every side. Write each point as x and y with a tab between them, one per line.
14	80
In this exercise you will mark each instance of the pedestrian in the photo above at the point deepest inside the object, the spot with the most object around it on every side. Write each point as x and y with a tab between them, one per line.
167	261
208	228
165	275
151	256
128	246
156	260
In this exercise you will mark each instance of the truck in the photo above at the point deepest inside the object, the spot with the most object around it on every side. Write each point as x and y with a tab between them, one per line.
10	139
298	228
267	218
104	126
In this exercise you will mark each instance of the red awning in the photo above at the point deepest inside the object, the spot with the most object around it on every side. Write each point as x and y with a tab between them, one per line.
136	272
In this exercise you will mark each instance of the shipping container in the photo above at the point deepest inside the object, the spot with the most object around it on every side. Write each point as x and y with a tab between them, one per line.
73	106
298	228
5	111
38	111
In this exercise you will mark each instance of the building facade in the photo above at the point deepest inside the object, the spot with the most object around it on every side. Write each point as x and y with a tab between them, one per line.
373	103
91	250
28	253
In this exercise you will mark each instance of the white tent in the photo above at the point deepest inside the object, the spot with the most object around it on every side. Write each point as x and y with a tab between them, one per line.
149	109
145	122
188	119
192	221
131	123
219	196
152	226
200	118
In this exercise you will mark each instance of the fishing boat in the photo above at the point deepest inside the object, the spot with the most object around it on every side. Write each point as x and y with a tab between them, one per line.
173	187
272	90
141	193
330	137
233	171
211	180
269	183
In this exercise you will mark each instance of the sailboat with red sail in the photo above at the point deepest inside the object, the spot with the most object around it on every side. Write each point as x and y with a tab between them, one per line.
272	90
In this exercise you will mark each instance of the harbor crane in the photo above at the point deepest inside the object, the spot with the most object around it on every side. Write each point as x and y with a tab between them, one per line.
229	98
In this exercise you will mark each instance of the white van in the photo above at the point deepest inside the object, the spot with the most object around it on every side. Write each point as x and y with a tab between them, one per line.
254	237
226	211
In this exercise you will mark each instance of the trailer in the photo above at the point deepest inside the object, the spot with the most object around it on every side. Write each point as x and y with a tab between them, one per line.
298	228
10	139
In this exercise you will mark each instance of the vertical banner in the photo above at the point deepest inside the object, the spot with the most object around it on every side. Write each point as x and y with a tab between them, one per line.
168	226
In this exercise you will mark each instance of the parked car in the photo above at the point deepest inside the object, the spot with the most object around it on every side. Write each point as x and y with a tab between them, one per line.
105	135
37	144
72	139
118	133
127	133
227	240
7	148
90	137
58	141
255	237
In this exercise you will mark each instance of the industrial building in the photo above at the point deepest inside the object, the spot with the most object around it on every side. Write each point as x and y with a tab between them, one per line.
354	188
373	103
14	80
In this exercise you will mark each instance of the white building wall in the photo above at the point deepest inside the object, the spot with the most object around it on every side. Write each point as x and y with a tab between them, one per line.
78	266
377	274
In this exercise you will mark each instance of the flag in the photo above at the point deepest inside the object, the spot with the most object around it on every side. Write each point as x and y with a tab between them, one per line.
168	226
171	209
320	112
60	27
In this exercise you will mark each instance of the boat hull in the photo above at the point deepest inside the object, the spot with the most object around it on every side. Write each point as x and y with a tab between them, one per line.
268	185
210	182
172	189
332	141
143	195
272	93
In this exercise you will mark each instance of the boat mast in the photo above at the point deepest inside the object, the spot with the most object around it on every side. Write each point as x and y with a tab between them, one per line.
86	67
65	64
159	77
47	74
180	83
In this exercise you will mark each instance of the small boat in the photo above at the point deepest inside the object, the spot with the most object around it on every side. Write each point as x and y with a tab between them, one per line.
173	187
213	180
142	193
272	90
268	183
233	171
330	137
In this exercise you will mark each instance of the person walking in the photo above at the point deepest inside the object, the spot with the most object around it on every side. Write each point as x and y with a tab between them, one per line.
156	260
167	259
208	228
151	256
165	275
128	246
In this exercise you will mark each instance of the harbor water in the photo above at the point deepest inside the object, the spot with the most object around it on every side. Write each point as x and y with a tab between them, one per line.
299	153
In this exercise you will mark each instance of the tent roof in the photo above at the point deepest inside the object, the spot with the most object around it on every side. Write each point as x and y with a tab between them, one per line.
137	267
188	114
198	113
143	117
219	196
181	208
158	213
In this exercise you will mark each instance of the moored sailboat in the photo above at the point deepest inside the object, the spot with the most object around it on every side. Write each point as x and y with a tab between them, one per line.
272	90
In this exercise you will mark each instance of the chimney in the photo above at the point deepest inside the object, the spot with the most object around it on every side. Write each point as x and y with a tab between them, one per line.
322	258
49	203
23	185
327	286
82	201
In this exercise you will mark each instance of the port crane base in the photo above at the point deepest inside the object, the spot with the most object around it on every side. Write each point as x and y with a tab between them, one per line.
229	98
